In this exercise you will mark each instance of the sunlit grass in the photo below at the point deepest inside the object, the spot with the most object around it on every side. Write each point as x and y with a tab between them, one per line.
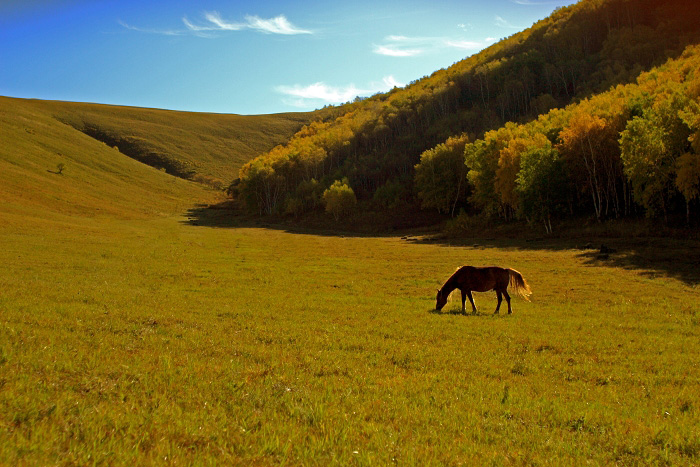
157	340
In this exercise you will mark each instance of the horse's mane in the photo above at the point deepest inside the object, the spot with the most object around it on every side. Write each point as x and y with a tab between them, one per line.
452	277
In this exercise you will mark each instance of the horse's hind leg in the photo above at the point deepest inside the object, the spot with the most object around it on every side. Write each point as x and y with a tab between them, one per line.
500	299
510	310
471	299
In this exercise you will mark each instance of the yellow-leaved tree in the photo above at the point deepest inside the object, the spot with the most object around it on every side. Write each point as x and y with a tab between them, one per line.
340	199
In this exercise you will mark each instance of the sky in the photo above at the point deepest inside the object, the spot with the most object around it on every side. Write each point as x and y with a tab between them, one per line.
243	57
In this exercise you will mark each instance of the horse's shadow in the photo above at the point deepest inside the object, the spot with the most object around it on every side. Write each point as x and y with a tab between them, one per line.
454	313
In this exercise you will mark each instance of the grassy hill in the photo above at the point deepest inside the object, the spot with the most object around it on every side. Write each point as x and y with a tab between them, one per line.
96	180
204	147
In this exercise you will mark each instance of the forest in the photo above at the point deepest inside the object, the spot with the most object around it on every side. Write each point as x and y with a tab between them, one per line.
632	150
592	111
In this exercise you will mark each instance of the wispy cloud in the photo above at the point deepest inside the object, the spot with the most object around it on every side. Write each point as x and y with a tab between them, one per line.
321	93
165	32
468	45
396	51
502	23
404	46
213	23
277	25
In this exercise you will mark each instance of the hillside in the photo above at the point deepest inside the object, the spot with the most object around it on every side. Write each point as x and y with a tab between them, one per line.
632	150
51	173
204	147
578	51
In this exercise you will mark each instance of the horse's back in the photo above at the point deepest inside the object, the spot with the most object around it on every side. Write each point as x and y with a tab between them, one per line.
482	279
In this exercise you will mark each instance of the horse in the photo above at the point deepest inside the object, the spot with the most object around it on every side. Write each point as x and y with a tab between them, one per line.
470	279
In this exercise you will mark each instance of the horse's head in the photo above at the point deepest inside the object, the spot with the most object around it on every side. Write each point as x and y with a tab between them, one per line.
441	300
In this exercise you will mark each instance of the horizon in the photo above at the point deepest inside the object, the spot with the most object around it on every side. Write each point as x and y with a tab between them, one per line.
241	58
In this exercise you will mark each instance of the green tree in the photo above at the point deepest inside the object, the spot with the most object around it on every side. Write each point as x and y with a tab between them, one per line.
440	177
482	157
339	198
688	178
650	146
648	163
541	184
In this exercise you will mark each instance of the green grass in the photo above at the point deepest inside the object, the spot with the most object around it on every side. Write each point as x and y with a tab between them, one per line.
130	336
209	147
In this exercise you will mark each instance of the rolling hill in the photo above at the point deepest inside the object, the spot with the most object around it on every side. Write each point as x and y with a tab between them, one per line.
61	159
205	147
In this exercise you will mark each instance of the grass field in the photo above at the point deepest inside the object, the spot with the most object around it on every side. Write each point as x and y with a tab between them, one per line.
139	341
131	336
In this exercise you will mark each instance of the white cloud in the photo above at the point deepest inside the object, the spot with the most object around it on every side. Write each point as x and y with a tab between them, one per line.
277	25
468	45
404	46
165	32
395	51
390	82
219	23
213	23
321	93
502	23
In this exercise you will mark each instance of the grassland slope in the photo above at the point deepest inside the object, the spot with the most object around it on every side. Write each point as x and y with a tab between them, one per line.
51	172
200	146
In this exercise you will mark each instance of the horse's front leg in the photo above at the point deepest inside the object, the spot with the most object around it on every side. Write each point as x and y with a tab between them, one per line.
464	301
500	299
471	299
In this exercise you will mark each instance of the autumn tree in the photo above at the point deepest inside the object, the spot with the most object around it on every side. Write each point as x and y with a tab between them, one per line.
542	184
339	199
441	176
688	178
588	145
482	158
650	145
688	165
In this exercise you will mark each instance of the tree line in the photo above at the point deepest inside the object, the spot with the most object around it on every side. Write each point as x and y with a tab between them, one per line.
376	143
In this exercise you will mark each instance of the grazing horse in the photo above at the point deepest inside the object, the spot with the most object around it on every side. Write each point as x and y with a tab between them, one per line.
469	279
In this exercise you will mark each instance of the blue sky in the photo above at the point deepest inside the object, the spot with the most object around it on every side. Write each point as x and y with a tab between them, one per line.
245	57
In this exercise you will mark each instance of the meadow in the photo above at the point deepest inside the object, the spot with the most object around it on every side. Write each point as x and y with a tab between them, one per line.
144	341
134	333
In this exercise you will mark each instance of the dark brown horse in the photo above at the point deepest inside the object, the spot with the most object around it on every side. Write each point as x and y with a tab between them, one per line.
469	279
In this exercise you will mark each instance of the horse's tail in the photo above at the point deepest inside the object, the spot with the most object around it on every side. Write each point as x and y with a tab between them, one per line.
517	282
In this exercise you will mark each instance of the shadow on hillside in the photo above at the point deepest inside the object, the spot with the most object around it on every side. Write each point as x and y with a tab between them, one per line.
657	256
226	215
